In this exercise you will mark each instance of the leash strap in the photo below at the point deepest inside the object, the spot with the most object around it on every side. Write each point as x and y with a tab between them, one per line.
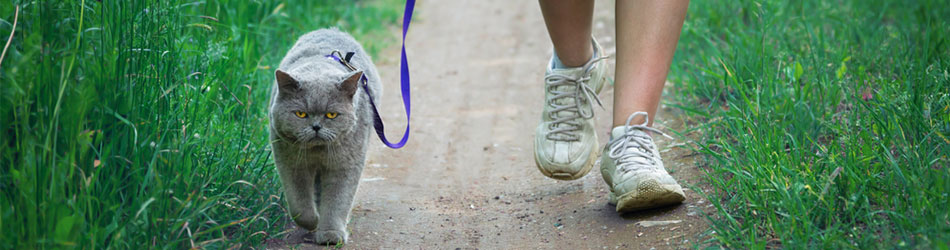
403	77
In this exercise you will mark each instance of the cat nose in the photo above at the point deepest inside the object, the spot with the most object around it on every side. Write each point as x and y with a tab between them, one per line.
316	127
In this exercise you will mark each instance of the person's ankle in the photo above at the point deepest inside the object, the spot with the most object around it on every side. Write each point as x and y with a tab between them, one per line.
558	64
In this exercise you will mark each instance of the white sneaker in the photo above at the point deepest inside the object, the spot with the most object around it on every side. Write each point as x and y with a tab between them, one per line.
633	170
565	144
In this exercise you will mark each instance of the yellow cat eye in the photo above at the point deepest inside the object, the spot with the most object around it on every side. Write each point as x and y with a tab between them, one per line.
300	114
331	115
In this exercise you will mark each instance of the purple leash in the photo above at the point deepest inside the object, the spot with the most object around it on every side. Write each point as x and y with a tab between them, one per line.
403	77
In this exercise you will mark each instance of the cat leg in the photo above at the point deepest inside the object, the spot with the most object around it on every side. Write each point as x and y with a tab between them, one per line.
298	189
337	192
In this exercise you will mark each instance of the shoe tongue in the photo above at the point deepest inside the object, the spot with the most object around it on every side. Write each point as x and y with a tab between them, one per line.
617	132
620	131
573	71
568	100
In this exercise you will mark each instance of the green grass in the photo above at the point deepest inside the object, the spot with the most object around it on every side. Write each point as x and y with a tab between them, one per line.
826	123
142	122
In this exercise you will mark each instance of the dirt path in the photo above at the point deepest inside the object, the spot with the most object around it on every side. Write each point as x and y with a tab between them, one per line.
467	178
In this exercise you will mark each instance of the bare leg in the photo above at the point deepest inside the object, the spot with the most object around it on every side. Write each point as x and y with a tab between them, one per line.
569	24
647	32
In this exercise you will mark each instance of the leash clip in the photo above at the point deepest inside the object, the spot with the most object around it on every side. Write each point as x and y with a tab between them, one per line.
345	60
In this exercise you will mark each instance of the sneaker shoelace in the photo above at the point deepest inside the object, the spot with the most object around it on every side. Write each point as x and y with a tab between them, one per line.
564	127
632	150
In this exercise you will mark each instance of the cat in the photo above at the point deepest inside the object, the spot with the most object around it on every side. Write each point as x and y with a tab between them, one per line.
320	122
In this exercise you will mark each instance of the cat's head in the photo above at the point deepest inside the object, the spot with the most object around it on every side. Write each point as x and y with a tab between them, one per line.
314	104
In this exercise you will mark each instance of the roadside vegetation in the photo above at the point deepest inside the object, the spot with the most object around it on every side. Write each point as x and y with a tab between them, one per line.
142	123
825	123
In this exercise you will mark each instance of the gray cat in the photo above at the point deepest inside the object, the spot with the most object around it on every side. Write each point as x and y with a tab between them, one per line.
320	122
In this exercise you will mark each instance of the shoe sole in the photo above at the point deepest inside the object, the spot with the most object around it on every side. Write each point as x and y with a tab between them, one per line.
564	176
646	198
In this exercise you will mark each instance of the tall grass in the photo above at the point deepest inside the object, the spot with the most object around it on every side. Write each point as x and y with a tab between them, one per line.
826	122
142	122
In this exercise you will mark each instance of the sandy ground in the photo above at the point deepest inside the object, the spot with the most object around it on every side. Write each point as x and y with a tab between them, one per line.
467	178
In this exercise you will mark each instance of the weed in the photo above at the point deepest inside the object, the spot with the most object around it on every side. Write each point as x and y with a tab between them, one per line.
826	121
143	123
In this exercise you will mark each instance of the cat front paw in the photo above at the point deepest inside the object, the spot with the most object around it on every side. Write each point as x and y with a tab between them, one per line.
329	237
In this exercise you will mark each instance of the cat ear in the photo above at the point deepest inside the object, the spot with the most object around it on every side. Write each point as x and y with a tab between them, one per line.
286	82
351	83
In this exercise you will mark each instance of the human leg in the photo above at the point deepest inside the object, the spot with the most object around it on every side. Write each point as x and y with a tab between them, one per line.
647	32
569	25
565	145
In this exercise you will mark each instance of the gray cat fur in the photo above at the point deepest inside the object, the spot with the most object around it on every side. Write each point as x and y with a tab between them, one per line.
320	168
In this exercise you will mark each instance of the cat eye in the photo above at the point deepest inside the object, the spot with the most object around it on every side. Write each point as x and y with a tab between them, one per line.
300	114
331	115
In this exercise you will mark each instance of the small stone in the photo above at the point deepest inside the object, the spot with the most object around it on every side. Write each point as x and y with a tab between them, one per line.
651	223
